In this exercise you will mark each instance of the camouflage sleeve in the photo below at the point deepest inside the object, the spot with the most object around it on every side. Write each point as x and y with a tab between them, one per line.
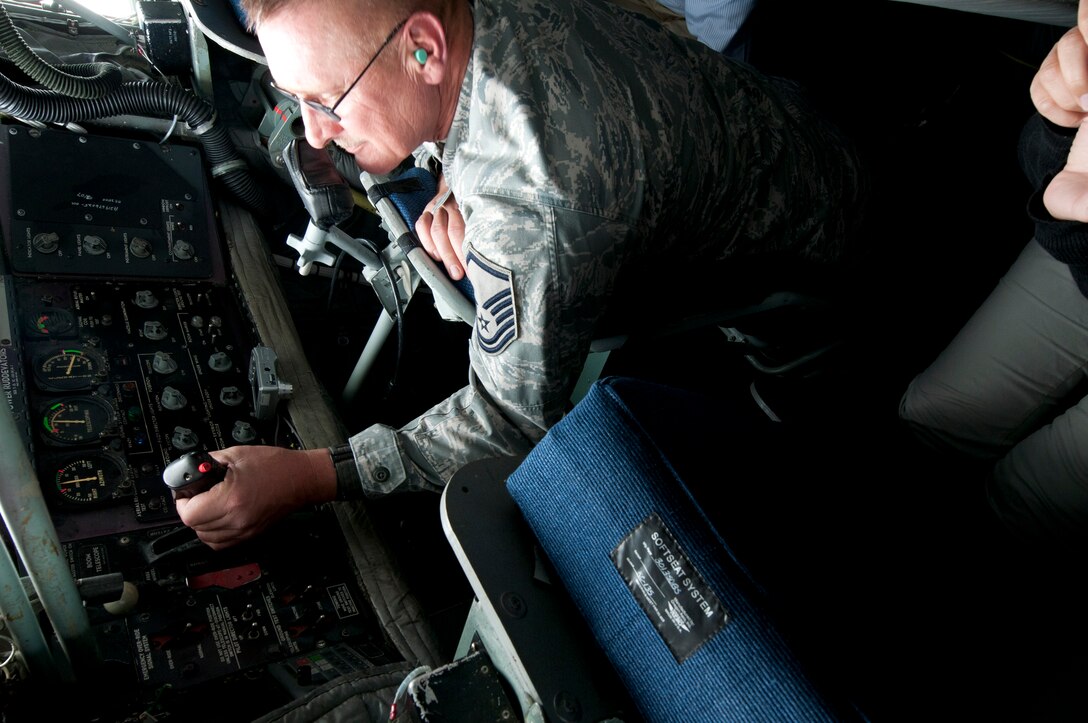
540	273
424	454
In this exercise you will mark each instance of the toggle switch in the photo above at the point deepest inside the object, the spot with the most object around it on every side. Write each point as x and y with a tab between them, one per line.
220	362
163	363
154	330
173	399
184	438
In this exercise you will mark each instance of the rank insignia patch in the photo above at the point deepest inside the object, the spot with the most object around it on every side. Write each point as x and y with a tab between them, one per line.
496	316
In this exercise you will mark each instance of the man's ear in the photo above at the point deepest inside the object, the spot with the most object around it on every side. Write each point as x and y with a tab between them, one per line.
427	52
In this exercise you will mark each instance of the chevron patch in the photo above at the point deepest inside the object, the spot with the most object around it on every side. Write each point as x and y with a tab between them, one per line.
496	315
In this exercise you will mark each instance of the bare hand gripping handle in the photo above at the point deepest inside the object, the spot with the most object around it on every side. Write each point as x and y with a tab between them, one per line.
193	473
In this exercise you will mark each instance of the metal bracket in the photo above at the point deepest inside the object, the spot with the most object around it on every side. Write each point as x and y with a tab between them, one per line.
265	383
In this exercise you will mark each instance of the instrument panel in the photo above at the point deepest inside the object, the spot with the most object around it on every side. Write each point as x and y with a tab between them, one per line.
125	344
122	378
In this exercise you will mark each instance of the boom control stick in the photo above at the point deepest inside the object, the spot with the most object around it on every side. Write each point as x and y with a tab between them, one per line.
187	476
193	473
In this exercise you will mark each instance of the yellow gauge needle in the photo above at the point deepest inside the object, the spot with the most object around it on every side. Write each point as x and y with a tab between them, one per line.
81	479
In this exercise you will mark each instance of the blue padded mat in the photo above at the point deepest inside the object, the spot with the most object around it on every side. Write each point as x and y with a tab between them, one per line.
678	616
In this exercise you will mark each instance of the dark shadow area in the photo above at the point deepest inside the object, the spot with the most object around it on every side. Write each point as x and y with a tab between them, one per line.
881	555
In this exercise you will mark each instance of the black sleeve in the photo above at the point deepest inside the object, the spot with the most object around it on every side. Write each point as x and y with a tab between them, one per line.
1043	150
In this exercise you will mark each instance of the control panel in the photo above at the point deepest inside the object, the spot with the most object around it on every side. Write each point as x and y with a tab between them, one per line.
123	377
124	347
105	205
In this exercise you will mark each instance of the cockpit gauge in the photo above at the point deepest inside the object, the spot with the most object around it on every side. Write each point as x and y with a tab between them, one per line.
77	420
51	322
65	370
92	479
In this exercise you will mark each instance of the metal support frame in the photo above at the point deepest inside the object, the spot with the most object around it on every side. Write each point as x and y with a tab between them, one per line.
394	273
34	537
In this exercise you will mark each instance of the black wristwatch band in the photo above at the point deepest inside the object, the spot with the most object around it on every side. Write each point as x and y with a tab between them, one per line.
348	484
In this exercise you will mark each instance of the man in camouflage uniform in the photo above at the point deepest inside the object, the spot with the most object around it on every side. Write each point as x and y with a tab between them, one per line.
585	146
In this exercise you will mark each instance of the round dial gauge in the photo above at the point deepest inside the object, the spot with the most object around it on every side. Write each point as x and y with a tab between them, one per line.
68	369
77	420
51	322
92	479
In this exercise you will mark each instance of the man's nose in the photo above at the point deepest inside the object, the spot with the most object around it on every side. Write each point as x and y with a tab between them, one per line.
320	129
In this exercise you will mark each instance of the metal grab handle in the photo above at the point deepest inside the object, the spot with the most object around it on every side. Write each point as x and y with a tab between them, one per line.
428	270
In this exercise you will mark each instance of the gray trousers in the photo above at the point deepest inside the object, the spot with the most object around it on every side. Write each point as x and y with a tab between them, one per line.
1010	388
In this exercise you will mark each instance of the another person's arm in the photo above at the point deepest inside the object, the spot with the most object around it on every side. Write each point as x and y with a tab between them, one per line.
1059	91
1054	151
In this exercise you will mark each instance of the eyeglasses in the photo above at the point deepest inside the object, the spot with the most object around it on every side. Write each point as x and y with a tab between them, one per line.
330	111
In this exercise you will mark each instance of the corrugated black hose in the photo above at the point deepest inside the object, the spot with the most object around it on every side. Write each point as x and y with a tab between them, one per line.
143	97
100	96
84	80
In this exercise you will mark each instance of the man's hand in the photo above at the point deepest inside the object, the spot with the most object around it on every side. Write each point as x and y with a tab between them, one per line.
1059	89
262	485
441	230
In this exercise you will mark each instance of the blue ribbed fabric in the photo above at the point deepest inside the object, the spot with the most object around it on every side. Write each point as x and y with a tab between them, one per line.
594	477
412	204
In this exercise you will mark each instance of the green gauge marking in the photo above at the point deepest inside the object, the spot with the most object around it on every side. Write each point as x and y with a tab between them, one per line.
68	369
78	420
51	323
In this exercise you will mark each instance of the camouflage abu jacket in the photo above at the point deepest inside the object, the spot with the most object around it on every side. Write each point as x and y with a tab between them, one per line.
591	146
